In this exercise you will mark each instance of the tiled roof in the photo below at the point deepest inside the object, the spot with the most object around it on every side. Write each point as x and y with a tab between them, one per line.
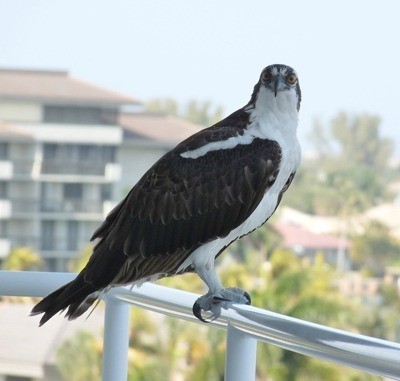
55	86
157	126
296	236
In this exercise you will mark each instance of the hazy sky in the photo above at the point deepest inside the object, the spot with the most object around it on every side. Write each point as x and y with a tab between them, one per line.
345	52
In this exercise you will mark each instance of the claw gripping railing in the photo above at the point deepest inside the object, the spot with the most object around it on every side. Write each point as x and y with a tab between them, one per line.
245	326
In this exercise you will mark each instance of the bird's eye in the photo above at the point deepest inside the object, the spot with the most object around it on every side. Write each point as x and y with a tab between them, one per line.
292	79
265	76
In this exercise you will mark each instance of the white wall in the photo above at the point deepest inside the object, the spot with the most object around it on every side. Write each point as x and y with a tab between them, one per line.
20	111
135	161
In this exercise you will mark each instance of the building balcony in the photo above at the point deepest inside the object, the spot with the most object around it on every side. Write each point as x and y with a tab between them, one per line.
53	208
81	170
74	206
5	209
6	169
55	245
112	171
5	247
23	207
24	241
23	168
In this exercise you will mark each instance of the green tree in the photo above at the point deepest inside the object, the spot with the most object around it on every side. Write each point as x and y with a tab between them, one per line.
147	356
351	172
79	358
23	259
167	105
77	264
199	112
375	248
202	113
360	141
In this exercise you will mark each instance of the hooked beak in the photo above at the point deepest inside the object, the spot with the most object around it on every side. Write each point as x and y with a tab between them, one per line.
278	84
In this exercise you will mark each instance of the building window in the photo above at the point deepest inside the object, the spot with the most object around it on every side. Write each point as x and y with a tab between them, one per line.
3	228
3	151
79	115
72	235
73	191
51	264
48	238
106	192
50	151
3	190
109	154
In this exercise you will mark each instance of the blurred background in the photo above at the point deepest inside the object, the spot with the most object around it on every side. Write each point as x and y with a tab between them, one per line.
92	93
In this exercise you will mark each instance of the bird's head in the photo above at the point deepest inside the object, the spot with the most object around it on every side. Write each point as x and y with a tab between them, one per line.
278	79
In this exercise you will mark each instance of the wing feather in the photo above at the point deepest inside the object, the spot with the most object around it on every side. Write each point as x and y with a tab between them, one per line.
181	203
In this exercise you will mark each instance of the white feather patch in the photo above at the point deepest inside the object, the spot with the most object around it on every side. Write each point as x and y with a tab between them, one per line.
231	142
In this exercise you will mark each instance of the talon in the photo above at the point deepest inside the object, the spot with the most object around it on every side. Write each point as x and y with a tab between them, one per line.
248	297
197	311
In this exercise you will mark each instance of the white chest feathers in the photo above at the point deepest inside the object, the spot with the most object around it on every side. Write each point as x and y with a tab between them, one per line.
273	118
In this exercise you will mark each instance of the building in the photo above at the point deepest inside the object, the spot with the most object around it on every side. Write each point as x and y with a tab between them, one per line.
308	244
68	153
147	136
59	138
355	284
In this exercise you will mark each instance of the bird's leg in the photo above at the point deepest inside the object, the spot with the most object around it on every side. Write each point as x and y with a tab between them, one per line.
217	297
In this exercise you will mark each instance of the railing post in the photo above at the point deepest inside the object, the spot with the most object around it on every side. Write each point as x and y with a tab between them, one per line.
241	352
116	340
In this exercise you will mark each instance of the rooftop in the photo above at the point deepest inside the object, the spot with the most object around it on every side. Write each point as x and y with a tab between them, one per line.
296	236
56	86
157	126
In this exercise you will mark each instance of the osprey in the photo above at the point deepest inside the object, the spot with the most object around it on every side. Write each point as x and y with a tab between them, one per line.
213	188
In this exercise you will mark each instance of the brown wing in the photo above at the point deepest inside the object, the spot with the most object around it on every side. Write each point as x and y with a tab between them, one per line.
181	203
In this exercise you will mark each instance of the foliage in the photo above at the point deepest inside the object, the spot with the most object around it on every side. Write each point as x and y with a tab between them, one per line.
79	358
199	112
375	248
360	141
77	264
23	259
351	172
165	349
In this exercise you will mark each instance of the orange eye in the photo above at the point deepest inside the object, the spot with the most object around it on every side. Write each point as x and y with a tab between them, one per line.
265	76
292	79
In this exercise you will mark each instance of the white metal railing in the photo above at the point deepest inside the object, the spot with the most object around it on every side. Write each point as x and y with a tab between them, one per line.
245	326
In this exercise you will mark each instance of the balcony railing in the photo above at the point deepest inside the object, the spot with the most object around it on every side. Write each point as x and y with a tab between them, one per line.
71	206
28	168
23	167
73	167
245	326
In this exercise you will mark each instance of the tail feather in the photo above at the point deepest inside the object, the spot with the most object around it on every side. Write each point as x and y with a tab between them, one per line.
80	294
71	295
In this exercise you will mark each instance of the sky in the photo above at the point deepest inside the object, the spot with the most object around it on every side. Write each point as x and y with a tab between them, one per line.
346	53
